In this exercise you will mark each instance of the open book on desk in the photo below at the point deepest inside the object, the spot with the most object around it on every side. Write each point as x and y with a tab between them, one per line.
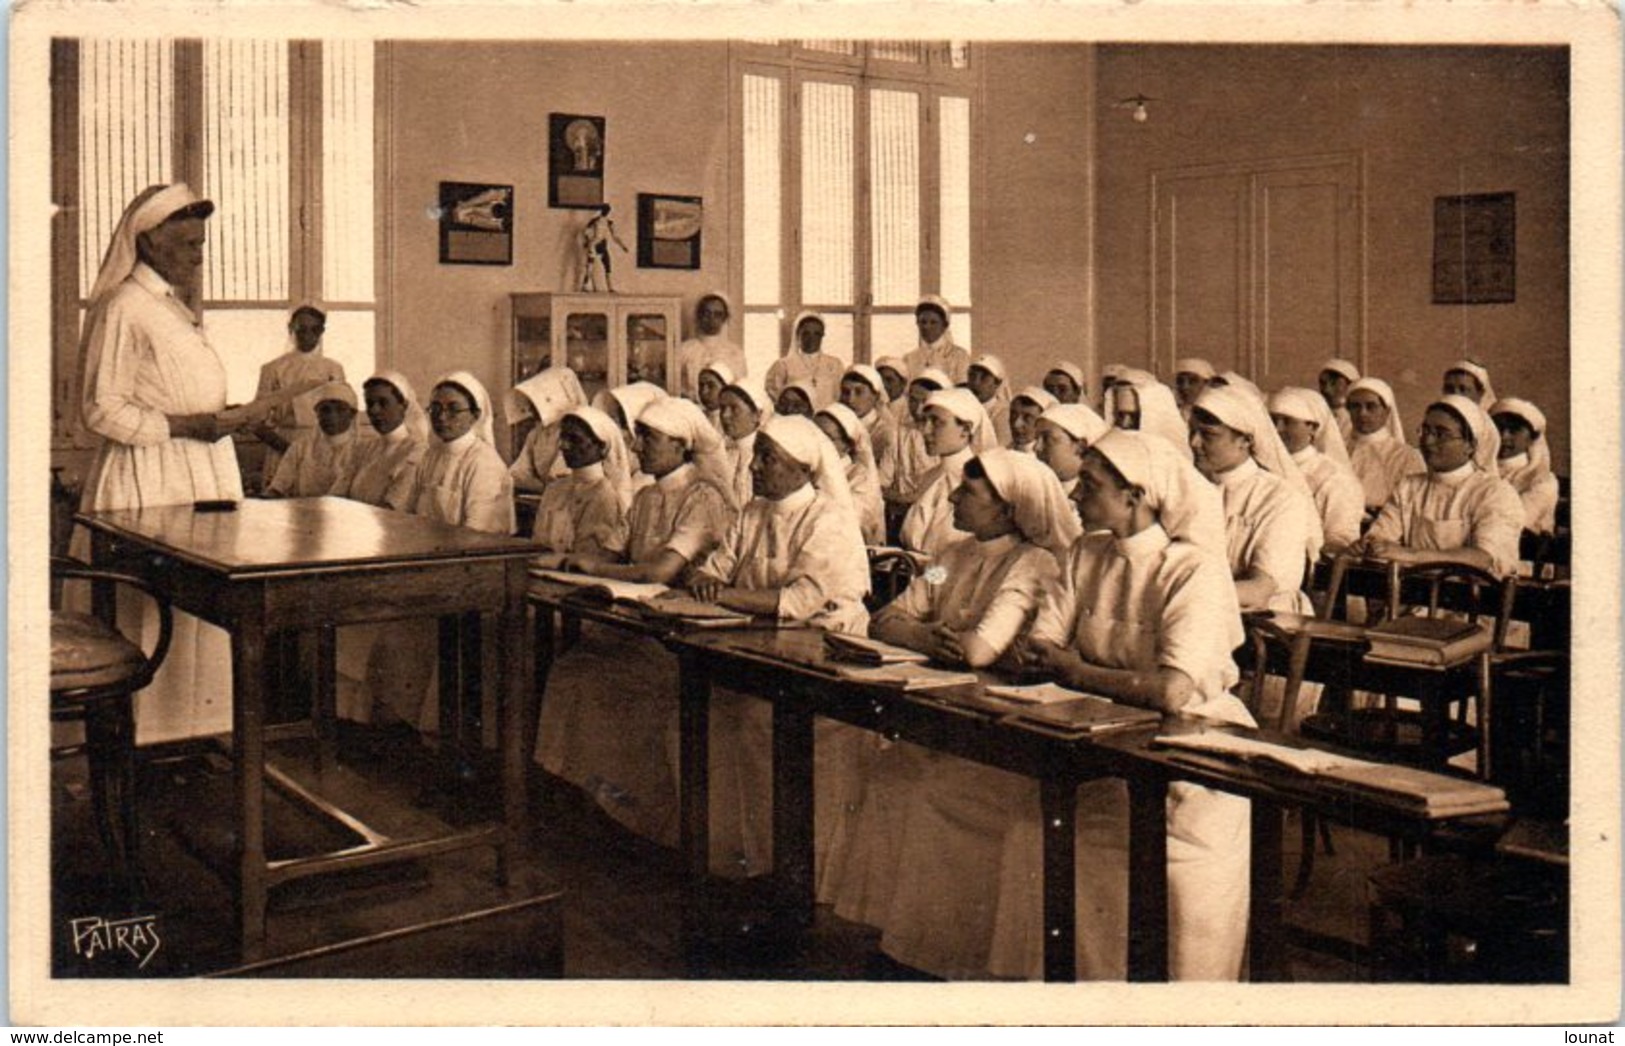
1056	707
907	675
611	588
1421	792
861	650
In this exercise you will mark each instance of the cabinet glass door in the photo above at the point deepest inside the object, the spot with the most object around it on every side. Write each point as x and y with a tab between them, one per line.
586	349
646	342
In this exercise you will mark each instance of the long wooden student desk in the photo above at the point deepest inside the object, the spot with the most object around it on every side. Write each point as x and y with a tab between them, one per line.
786	666
315	564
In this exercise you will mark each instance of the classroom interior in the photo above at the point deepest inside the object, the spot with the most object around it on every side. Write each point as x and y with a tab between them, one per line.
1265	207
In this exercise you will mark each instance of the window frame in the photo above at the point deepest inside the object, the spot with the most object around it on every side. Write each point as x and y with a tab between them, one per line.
304	276
794	66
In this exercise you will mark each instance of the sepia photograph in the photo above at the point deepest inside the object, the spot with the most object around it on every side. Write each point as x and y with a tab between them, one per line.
1123	508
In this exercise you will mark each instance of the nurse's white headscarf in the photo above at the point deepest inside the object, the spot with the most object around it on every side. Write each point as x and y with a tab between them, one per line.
1480	372
795	331
934	376
962	404
1042	512
685	421
894	364
1341	366
1188	506
724	373
802	439
870	376
806	389
1071	370
483	429
630	400
1234	380
1077	420
335	390
151	207
721	296
1309	405
1237	409
417	422
755	394
1159	409
1194	365
863	448
1037	397
617	459
1540	452
1381	389
1486	438
546	395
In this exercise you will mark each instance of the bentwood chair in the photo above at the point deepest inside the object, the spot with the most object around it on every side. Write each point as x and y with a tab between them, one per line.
95	674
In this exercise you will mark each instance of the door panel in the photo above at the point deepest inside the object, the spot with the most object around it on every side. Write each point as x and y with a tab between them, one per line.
1201	264
1256	267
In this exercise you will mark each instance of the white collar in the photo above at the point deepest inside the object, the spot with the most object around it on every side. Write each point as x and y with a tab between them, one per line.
461	444
347	436
396	434
593	473
794	501
676	479
1308	454
999	547
1455	475
1240	474
1514	463
956	461
1151	540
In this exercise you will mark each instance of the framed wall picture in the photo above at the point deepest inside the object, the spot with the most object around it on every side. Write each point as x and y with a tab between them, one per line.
476	224
1475	249
669	230
575	160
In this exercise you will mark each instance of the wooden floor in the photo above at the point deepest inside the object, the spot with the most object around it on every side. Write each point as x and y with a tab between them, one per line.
617	899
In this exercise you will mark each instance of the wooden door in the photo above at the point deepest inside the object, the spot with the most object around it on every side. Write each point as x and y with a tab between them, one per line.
1256	266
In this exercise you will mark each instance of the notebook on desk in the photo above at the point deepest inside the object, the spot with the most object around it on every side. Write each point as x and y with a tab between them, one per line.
1056	708
608	588
1427	640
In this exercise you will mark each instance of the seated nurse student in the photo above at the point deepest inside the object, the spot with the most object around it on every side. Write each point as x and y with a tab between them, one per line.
712	380
463	480
931	834
1526	461
1026	407
584	512
794	554
912	462
1272	530
611	700
1460	510
864	393
955	428
741	408
857	455
541	401
795	399
1065	381
986	378
1306	426
384	470
1336	377
321	457
1145	617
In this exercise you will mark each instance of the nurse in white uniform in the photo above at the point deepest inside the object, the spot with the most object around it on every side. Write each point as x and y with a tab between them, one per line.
1306	426
1146	618
1378	452
956	428
152	388
942	853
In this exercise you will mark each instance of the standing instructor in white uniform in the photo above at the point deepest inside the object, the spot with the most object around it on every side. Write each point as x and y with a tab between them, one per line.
153	386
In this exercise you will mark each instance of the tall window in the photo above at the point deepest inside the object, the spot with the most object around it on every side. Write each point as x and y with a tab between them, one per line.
278	134
855	190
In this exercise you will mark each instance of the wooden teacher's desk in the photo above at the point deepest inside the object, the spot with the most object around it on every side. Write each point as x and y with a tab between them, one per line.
312	564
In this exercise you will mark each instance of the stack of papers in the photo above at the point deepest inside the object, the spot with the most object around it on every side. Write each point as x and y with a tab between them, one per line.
627	591
908	676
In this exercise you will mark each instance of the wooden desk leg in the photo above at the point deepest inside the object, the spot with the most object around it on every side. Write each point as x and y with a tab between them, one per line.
694	799
248	735
1148	879
793	814
1436	730
1058	807
518	687
471	704
542	652
325	713
446	758
1265	947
